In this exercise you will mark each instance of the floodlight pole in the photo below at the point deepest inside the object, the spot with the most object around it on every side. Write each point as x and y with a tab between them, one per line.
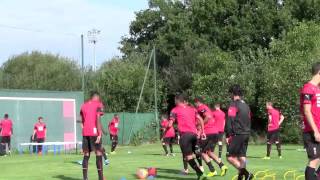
82	62
155	84
93	38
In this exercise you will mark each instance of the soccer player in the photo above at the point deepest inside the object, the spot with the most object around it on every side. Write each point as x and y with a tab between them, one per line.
113	130
40	131
208	144
168	136
310	113
6	131
238	128
275	120
187	118
220	121
91	111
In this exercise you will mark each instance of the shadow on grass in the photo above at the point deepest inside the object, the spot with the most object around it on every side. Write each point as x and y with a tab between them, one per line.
63	177
176	174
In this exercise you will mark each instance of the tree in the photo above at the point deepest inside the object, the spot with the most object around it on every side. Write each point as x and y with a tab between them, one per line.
41	71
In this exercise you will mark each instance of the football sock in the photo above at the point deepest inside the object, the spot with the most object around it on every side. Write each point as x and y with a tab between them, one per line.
211	168
220	151
85	167
268	150
171	148
243	171
310	173
199	159
279	148
221	164
99	167
165	148
195	167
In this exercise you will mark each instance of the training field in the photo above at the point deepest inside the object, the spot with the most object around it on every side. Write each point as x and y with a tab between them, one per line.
62	167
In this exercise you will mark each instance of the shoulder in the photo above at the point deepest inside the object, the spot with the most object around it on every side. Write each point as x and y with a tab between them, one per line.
308	88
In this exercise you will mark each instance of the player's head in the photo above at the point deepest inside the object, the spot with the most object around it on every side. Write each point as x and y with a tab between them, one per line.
40	119
198	100
116	115
217	106
6	116
94	95
269	105
163	116
180	98
315	70
236	92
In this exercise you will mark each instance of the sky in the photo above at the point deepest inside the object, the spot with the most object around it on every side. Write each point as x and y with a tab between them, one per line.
55	26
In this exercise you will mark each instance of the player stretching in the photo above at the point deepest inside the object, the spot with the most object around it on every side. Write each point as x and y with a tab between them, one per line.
310	111
40	131
6	131
90	112
187	118
113	130
237	132
168	136
275	120
208	144
220	121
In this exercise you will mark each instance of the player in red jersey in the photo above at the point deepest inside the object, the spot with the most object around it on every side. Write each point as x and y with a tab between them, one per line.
168	136
220	121
187	119
275	120
6	131
310	113
40	131
113	131
91	111
208	144
238	128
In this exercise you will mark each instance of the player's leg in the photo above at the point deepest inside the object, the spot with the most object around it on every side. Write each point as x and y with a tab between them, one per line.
198	153
98	151
40	140
220	144
86	156
269	145
187	144
313	152
213	141
171	146
242	158
278	144
105	157
185	165
164	146
113	139
206	147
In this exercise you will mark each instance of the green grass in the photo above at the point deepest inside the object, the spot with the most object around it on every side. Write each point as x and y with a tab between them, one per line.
62	167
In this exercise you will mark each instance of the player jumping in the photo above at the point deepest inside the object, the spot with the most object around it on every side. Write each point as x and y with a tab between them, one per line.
275	120
208	144
220	121
168	136
187	118
237	132
91	111
113	130
310	113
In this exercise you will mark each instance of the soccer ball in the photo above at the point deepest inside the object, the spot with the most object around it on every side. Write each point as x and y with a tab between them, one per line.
152	171
142	173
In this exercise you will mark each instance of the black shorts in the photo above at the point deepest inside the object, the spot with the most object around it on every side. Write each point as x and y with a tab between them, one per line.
209	143
188	142
114	138
238	146
273	136
312	147
168	140
89	144
220	136
6	139
40	140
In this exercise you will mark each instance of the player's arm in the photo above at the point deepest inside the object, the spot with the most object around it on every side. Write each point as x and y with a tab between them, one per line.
82	119
232	112
308	114
45	131
281	119
201	123
34	133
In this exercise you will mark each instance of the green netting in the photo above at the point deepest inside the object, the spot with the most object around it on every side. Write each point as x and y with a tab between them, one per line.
59	109
141	122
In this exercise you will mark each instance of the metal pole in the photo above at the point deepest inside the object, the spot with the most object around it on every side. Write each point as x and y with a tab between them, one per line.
94	57
82	62
155	89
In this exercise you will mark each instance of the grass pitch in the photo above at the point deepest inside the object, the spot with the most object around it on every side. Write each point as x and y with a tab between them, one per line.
124	164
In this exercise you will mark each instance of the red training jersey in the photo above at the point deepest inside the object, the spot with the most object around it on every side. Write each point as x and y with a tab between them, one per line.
220	119
40	129
114	126
169	131
274	116
186	117
6	127
310	94
90	112
210	126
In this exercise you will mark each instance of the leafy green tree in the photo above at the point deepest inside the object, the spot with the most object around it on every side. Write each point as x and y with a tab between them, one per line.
36	70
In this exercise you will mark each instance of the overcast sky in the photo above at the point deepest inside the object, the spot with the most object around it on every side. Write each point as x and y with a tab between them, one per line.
56	25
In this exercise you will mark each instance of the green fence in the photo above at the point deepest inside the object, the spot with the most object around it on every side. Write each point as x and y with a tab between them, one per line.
131	123
60	111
